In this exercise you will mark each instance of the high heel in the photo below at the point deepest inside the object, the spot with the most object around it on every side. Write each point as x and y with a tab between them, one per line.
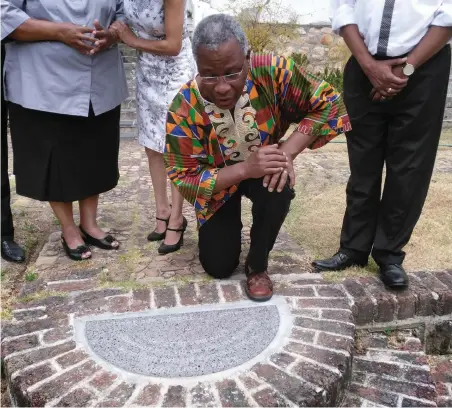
103	243
158	236
77	253
167	249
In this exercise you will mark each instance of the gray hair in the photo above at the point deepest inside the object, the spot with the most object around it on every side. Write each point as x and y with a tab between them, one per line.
215	30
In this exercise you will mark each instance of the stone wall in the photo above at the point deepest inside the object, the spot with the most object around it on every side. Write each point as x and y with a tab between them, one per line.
321	46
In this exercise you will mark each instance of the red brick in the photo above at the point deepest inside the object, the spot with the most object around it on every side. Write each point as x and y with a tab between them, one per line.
187	295
328	357
335	342
351	400
96	295
231	293
358	377
314	313
401	357
58	334
408	403
71	358
148	396
61	384
406	301
141	300
444	306
165	297
175	397
340	315
354	288
285	289
72	286
282	360
411	389
50	302
374	395
377	367
301	393
430	282
303	335
24	360
208	293
93	306
20	344
418	375
231	395
119	304
103	380
364	309
445	402
445	278
202	396
77	398
333	303
425	302
119	396
325	325
386	304
328	291
10	329
249	382
29	314
269	398
309	282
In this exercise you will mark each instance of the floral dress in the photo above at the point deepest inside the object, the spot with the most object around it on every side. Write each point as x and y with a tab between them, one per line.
158	78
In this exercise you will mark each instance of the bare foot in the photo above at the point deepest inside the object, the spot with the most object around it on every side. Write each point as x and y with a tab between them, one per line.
73	239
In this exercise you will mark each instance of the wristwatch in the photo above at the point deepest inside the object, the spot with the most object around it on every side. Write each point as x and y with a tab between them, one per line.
408	69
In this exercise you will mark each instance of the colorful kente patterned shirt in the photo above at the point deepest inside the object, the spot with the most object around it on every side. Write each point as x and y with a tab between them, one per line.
202	138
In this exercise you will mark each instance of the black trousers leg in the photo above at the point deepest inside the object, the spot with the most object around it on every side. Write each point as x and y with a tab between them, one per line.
366	151
413	137
7	218
220	240
269	212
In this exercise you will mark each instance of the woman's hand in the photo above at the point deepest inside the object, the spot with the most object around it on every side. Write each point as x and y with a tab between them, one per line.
104	38
124	33
75	36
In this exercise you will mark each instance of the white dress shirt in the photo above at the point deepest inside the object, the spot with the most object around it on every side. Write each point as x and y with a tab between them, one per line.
405	22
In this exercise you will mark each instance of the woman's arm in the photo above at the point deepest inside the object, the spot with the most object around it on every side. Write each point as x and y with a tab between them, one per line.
174	23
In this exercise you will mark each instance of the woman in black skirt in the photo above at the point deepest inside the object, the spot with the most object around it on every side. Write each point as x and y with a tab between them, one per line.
65	83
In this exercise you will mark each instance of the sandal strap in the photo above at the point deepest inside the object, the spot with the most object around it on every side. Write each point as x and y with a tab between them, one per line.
162	219
176	230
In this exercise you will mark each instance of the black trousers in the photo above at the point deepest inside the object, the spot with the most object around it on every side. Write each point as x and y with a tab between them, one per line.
220	237
402	133
7	218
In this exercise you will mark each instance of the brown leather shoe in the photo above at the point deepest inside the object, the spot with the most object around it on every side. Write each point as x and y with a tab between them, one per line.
259	287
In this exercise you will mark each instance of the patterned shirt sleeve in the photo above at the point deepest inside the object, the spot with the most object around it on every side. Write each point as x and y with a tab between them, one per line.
312	103
189	166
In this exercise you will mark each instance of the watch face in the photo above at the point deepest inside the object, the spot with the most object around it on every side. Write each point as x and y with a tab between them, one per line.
408	69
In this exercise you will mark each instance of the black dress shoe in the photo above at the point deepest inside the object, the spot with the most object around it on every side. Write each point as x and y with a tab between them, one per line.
12	252
337	262
394	276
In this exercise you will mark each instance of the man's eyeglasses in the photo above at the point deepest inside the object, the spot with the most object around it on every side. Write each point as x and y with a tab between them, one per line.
228	78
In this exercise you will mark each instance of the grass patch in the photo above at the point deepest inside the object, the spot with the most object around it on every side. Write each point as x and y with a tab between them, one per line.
44	294
31	276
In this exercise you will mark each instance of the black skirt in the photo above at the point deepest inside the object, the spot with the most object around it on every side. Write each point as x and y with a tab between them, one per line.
64	158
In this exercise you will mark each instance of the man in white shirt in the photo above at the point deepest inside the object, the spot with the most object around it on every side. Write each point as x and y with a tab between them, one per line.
395	88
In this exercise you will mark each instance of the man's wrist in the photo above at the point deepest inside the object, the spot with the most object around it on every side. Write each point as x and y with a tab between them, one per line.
242	169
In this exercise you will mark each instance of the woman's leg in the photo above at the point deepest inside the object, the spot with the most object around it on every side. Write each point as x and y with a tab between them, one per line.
176	219
88	218
71	233
159	182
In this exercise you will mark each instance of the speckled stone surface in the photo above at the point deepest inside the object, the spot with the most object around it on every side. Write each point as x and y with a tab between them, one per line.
184	344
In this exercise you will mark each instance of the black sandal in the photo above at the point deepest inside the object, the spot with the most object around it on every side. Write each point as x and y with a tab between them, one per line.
167	249
77	253
158	236
103	243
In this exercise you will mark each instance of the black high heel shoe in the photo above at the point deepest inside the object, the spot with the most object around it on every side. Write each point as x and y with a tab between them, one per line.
158	236
104	243
77	253
167	249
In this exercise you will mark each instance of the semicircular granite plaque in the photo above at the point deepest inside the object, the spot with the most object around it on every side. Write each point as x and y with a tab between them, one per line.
184	344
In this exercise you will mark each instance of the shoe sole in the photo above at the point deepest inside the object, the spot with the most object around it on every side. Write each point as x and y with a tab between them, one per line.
12	260
320	269
257	299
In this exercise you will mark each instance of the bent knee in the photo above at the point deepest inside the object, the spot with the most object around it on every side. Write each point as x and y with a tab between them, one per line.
220	268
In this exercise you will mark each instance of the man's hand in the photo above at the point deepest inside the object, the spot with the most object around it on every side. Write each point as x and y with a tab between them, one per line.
104	38
75	36
124	33
383	79
278	180
267	160
378	96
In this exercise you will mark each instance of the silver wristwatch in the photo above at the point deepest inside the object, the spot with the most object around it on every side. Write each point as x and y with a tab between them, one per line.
408	69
